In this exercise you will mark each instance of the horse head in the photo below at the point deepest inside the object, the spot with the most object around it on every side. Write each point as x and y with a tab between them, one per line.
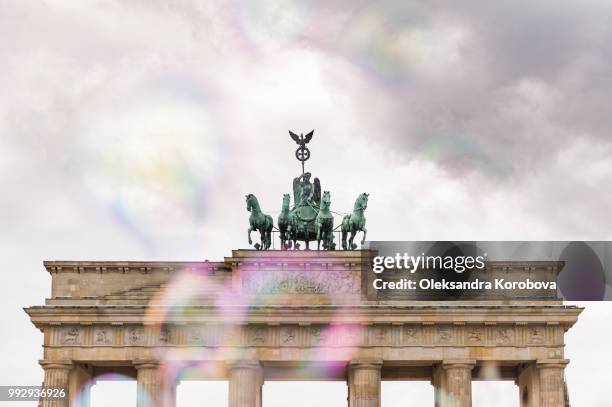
251	202
325	200
362	202
286	201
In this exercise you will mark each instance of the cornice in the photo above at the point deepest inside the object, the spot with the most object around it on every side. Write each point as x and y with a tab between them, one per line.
565	316
76	266
257	259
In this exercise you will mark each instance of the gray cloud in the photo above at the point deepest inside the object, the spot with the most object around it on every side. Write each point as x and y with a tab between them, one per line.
134	130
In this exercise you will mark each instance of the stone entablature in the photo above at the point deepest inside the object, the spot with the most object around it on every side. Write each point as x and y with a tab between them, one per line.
315	335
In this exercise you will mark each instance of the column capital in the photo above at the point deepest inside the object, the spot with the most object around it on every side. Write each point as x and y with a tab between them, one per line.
365	364
458	364
552	363
145	364
56	364
243	364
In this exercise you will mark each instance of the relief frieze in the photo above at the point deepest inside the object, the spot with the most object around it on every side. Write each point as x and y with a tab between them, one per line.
288	336
474	335
72	335
163	336
535	335
412	334
103	335
134	335
293	335
258	335
444	335
503	335
302	282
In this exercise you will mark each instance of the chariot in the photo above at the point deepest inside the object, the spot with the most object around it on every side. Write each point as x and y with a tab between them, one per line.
309	218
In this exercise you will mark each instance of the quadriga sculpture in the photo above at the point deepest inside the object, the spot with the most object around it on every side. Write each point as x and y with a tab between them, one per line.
260	222
309	218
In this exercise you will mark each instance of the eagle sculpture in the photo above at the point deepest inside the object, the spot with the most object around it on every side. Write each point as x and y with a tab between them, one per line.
301	139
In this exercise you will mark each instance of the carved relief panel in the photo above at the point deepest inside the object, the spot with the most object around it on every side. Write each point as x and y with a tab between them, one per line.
133	335
474	335
444	335
503	335
300	282
102	335
71	335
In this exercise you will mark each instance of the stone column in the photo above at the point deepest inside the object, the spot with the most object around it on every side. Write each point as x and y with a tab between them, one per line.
552	382
453	383
529	386
245	381
155	389
148	384
168	393
56	376
542	384
364	383
79	386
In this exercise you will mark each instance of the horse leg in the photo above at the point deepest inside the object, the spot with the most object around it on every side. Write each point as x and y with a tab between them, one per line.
365	232
285	238
262	237
268	237
352	246
249	234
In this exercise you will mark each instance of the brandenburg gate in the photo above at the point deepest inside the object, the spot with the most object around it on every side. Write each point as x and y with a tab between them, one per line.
291	314
269	315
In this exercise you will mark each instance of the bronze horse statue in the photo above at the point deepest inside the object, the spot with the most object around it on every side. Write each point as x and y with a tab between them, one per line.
286	224
324	224
259	221
354	223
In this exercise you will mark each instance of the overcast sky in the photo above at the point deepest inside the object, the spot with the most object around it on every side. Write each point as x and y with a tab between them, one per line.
133	129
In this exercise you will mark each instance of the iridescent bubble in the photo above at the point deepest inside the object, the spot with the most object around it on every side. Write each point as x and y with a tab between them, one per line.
151	159
403	43
211	294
